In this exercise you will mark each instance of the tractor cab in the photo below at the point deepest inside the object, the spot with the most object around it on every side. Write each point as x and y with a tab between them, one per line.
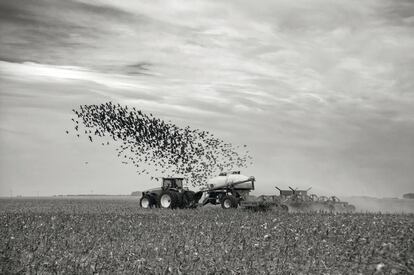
172	183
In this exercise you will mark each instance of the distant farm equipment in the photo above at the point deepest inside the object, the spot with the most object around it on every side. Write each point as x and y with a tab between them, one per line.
231	190
294	200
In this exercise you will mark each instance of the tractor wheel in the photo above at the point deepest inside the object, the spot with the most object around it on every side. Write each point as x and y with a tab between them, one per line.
168	199
146	202
229	202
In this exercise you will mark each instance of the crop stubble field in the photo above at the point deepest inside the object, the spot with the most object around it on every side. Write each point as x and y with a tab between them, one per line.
113	235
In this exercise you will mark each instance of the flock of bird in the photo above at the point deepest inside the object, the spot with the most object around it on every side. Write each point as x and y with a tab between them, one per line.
149	143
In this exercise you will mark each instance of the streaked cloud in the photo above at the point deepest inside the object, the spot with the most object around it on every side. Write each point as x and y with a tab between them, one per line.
321	91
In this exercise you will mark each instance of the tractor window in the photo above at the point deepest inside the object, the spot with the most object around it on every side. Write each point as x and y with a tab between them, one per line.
167	184
236	172
179	183
222	174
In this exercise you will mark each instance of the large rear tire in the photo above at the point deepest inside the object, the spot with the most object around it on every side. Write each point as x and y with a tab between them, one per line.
228	202
168	200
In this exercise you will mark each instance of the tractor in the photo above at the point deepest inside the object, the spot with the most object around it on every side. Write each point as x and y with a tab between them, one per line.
171	195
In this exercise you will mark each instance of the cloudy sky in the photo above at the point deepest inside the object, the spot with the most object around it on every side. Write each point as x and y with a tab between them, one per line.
321	91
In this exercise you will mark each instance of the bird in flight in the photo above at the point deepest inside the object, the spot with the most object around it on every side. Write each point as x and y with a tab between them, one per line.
145	140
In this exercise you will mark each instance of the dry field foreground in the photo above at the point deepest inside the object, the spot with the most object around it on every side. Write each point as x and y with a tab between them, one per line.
113	235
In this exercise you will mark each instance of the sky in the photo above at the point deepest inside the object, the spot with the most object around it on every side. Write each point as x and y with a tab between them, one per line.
321	91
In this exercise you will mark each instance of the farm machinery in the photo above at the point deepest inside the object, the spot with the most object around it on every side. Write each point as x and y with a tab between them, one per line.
293	200
287	200
300	201
171	194
227	189
334	204
231	189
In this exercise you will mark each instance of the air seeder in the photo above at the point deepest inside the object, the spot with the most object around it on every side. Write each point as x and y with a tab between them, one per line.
228	189
231	189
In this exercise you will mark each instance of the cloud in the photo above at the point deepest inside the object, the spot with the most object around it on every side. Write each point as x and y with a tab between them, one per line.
44	72
320	91
55	32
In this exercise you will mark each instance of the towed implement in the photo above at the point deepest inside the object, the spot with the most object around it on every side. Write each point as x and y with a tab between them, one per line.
334	204
228	189
294	200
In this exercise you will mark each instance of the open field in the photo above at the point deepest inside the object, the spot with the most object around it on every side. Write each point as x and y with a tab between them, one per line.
107	235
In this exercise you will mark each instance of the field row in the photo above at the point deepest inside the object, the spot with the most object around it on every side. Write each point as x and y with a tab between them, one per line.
87	236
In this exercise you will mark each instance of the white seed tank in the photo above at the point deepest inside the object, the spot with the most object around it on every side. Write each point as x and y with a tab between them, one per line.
228	179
